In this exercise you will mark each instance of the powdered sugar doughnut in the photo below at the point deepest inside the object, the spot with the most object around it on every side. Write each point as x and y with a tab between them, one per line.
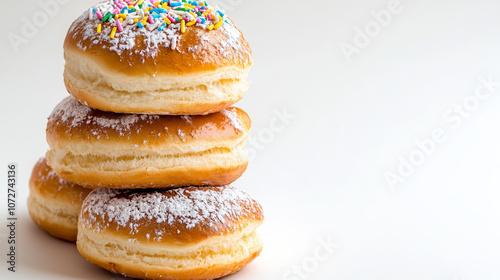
186	233
99	149
54	203
164	58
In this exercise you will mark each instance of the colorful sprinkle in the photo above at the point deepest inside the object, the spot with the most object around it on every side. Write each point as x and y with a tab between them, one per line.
158	10
119	25
113	32
219	23
171	19
155	15
191	23
98	14
106	17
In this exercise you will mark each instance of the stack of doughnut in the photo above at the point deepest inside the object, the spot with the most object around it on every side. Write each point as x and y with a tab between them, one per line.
143	151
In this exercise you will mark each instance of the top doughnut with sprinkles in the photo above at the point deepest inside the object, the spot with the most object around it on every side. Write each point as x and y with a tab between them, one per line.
145	29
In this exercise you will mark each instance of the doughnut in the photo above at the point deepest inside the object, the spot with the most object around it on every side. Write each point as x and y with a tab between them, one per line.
98	149
183	233
54	203
151	67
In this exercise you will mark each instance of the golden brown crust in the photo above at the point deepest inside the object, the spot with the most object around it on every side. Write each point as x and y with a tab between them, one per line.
198	50
182	176
45	183
72	121
176	217
54	203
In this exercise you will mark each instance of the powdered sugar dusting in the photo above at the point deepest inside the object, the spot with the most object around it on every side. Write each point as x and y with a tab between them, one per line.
47	174
187	119
182	135
51	176
48	177
126	40
232	42
233	117
70	110
190	207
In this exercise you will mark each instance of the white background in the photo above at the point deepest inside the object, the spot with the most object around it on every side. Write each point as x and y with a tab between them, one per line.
321	176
